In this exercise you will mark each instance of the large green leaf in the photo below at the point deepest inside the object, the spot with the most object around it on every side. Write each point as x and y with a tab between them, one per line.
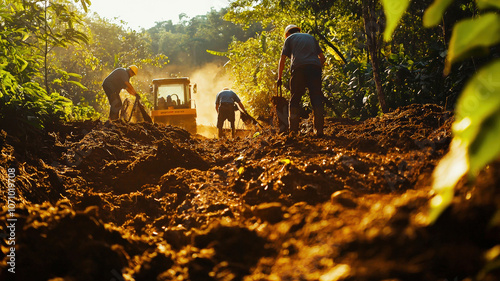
448	172
484	4
476	130
434	13
394	10
486	146
478	102
470	35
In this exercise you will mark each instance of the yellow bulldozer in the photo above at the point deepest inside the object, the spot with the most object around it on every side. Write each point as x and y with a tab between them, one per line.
173	103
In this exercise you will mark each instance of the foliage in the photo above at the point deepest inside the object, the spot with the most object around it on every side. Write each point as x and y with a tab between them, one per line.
110	46
348	81
182	46
186	42
253	63
477	120
252	67
50	24
22	99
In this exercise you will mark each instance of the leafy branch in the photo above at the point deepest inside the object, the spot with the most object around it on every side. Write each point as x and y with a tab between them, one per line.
477	116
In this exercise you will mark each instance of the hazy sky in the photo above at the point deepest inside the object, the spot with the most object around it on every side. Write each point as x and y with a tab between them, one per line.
144	13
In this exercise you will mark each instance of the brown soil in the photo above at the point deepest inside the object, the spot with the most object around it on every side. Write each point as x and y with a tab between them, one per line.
115	201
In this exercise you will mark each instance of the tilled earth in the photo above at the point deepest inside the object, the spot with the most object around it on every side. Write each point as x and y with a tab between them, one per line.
115	201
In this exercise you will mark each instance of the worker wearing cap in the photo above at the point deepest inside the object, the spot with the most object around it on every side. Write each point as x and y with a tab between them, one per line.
225	107
307	59
117	80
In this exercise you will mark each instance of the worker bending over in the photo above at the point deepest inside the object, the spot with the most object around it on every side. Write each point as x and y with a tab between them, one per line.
117	80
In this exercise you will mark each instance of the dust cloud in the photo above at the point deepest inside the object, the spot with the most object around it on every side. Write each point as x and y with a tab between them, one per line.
210	79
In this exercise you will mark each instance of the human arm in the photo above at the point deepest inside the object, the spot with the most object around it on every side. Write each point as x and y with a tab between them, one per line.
322	58
130	89
281	67
217	102
241	106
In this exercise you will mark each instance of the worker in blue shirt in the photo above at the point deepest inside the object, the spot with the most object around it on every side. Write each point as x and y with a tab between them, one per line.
225	106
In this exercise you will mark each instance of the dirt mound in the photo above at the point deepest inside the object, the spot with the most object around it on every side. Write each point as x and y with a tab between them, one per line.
116	201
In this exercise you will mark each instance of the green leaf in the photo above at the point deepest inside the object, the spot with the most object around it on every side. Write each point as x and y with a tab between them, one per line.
78	84
74	75
479	100
448	172
26	36
394	10
476	130
485	4
486	146
434	13
85	8
469	35
24	63
263	41
215	53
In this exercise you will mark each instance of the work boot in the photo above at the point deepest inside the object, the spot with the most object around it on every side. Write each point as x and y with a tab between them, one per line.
221	133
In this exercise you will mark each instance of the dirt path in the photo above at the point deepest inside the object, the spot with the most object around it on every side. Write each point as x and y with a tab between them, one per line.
112	201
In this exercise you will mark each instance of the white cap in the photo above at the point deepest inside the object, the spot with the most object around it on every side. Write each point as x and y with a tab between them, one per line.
290	27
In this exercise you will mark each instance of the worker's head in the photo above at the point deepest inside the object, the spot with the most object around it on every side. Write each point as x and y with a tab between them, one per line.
134	69
291	29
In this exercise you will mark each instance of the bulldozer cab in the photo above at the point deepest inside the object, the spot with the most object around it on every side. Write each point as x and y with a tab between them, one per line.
173	103
172	93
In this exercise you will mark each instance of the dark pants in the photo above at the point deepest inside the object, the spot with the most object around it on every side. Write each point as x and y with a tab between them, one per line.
226	112
115	102
306	77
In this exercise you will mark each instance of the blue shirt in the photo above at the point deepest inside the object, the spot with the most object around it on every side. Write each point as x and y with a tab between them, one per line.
226	96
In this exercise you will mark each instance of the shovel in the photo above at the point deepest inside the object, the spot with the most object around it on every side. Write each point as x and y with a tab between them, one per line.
280	110
247	118
137	104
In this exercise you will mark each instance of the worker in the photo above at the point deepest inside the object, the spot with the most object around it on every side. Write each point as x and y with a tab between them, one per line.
307	59
117	80
225	107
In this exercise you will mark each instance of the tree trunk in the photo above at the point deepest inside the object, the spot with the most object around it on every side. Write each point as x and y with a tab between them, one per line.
46	52
373	46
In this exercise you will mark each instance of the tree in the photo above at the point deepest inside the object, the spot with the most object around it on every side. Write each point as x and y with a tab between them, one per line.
373	44
50	24
22	98
186	42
